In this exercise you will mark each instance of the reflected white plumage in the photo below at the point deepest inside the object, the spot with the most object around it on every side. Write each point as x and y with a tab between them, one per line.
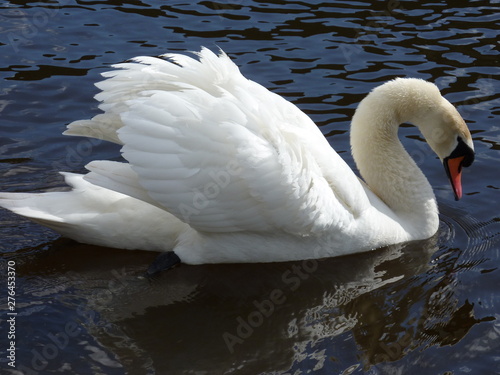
222	170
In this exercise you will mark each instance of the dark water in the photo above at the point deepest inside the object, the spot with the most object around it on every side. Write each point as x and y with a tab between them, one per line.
430	307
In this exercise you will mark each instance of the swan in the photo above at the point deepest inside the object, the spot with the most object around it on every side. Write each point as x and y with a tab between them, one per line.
219	169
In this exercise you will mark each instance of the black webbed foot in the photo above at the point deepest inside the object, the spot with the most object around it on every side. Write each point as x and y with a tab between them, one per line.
164	261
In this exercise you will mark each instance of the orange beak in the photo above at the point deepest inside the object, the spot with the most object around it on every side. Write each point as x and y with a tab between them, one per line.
453	167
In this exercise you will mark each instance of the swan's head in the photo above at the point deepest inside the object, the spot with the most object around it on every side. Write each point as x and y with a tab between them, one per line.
420	103
445	131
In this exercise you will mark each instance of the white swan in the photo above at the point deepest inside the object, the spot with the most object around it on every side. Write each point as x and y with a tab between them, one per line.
222	170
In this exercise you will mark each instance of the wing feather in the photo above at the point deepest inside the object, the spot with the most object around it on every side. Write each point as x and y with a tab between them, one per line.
221	152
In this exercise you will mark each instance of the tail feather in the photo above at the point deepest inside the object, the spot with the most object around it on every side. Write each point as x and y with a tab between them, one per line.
95	215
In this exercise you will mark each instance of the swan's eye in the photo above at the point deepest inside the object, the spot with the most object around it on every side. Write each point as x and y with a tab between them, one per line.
464	150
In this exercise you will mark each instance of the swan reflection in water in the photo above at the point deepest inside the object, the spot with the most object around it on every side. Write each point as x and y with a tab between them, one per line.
368	309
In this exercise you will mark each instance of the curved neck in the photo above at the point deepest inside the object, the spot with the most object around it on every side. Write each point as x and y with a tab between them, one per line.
385	165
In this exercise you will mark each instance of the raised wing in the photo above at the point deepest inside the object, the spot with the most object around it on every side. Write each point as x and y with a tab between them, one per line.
218	151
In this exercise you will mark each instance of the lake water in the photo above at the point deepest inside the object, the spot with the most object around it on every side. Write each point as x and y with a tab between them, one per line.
429	307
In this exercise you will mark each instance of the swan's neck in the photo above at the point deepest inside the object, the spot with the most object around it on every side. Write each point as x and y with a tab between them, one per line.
385	165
